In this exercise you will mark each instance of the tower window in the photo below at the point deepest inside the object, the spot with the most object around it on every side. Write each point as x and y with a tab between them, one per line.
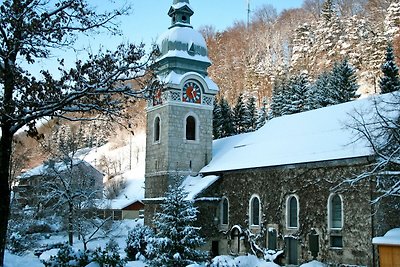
190	128
157	129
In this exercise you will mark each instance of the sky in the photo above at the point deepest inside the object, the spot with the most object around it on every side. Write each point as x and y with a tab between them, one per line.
148	19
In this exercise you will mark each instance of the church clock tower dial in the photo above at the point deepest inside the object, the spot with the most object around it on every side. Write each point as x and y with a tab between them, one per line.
179	116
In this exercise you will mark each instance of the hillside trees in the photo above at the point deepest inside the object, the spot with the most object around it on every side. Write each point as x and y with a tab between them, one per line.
29	31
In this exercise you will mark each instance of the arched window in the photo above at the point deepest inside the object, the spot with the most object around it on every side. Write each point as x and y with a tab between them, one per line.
335	212
235	240
292	212
224	211
157	129
190	128
254	211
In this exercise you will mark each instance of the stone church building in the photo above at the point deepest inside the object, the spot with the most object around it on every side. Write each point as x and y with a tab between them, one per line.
275	188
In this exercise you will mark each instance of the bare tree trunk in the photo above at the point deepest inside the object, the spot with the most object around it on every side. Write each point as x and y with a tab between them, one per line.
70	224
5	157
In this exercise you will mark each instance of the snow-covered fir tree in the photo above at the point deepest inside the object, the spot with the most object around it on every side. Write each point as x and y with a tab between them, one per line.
297	92
225	127
251	115
277	99
343	82
177	240
239	115
390	81
319	94
217	120
262	114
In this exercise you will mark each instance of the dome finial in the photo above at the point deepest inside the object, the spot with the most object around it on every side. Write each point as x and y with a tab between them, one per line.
181	1
180	13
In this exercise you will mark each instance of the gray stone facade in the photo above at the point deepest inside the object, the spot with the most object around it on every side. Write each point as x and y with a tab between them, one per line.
312	184
173	155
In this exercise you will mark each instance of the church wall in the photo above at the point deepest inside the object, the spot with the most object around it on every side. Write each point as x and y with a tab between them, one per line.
312	185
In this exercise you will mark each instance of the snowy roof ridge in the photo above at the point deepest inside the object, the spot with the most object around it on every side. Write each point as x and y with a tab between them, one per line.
45	167
312	136
195	185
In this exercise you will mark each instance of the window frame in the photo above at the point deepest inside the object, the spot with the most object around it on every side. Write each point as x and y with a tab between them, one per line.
288	212
157	141
222	211
196	128
251	212
330	212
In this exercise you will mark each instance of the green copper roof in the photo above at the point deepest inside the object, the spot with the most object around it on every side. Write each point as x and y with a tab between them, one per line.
181	1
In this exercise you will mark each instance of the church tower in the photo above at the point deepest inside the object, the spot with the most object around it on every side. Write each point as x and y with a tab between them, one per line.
179	117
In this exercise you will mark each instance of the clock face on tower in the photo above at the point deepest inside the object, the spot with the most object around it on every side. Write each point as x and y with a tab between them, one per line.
191	92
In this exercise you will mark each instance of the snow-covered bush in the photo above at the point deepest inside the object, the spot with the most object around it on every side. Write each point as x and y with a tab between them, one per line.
18	244
222	261
68	257
107	257
136	243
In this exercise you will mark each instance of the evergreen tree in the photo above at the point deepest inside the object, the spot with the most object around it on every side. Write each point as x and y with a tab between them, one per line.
343	82
251	116
297	93
278	99
327	11
390	81
319	93
262	115
239	115
217	120
177	239
226	127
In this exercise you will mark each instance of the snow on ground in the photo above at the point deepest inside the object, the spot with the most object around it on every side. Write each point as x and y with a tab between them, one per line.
313	264
29	260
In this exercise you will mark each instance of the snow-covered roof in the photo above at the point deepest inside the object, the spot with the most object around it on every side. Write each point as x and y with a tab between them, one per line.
133	192
184	35
47	168
194	185
316	135
180	5
175	78
185	55
392	237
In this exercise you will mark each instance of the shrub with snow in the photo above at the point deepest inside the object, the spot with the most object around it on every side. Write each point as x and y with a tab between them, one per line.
69	257
222	261
136	243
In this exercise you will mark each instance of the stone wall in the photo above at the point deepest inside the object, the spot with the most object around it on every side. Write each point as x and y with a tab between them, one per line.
312	184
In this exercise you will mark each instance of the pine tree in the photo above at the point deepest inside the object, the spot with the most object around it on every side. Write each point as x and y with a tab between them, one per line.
327	11
262	114
319	93
277	100
343	82
177	239
297	93
390	81
251	116
217	120
226	127
239	115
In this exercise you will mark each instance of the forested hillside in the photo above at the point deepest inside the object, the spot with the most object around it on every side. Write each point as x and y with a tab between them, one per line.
250	59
